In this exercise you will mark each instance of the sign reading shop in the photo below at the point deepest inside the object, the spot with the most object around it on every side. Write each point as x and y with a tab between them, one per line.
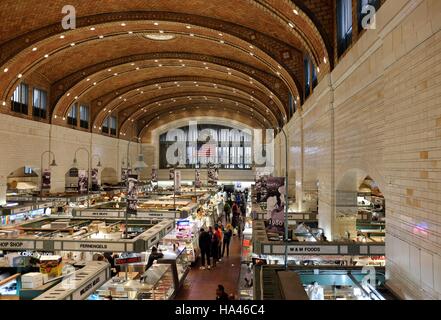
16	245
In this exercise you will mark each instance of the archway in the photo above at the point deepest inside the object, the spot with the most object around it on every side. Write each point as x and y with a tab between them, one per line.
359	209
23	179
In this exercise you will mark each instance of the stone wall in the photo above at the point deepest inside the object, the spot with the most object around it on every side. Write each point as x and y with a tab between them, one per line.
379	114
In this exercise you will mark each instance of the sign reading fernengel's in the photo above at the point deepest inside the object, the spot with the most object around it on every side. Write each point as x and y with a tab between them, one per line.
16	245
93	246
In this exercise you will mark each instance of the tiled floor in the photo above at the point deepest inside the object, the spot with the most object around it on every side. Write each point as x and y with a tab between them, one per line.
202	284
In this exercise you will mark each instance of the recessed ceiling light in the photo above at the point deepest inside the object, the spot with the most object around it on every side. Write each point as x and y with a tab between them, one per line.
137	68
101	36
183	65
251	53
220	34
132	64
130	32
123	24
291	24
76	98
87	79
109	70
325	60
159	65
191	35
64	118
222	41
92	29
20	75
5	70
72	44
207	68
296	12
46	56
156	61
62	37
68	94
34	49
156	24
4	103
188	27
161	31
55	116
318	69
115	74
120	97
94	83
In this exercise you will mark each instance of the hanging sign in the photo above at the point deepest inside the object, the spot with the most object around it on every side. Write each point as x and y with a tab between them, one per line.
46	180
154	177
177	180
82	181
274	194
197	178
132	194
95	185
213	175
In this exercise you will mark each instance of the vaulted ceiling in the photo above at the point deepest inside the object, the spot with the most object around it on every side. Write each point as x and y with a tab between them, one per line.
153	61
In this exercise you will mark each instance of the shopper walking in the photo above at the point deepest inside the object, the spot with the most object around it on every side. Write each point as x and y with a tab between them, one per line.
204	246
228	234
227	211
214	248
219	233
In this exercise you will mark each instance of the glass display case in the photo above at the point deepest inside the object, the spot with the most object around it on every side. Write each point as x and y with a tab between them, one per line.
160	282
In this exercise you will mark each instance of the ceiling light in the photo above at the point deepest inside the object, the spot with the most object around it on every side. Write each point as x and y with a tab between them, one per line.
295	11
183	65
5	70
115	74
68	94
222	41
207	68
230	73
87	79
46	56
130	32
62	37
101	36
220	34
94	83
20	75
161	31
159	65
137	68
109	70
318	69
34	49
191	35
325	60
291	24
64	118
156	24
132	64
156	61
76	98
72	44
251	53
55	116
123	24
120	97
92	29
188	27
4	103
251	47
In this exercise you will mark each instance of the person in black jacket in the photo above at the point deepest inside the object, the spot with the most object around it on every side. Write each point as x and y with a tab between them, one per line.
228	234
155	255
214	249
221	295
204	246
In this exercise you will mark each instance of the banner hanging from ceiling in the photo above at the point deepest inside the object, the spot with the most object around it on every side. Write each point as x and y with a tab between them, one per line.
177	181
213	175
94	178
197	178
132	194
83	181
273	192
46	179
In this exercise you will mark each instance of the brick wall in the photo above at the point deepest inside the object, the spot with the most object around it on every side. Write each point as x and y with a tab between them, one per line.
379	114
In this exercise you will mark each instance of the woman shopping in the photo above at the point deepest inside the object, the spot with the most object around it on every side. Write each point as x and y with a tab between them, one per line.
228	234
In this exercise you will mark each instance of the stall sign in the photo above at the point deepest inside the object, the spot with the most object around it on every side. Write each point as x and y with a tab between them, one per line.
21	210
99	213
93	246
88	288
128	260
16	245
301	250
